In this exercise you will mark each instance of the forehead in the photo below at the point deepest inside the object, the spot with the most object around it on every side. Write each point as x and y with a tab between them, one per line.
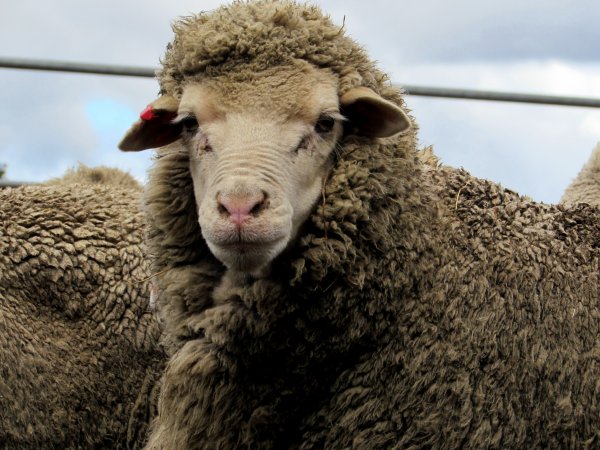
287	92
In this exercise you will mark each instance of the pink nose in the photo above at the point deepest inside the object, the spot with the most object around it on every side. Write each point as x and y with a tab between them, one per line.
240	208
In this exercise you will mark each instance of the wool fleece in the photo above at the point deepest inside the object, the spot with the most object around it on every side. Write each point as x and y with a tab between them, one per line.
585	188
420	307
79	352
83	174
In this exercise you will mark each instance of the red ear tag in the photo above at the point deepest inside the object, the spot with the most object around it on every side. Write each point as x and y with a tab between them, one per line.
148	113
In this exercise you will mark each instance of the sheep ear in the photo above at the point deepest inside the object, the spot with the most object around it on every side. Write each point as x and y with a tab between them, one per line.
370	115
155	128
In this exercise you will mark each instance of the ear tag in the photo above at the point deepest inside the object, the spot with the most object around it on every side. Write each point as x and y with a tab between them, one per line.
148	113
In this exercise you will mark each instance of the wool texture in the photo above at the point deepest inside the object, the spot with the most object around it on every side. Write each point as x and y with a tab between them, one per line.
80	357
585	188
420	307
83	174
249	37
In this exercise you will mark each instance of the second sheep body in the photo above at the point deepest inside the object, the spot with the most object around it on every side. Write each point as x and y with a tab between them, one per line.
79	346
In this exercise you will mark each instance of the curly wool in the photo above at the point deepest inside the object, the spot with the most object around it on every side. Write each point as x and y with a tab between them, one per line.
83	174
254	36
420	307
585	188
79	353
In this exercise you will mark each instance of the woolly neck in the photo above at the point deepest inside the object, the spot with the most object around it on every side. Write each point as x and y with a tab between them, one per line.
375	202
333	300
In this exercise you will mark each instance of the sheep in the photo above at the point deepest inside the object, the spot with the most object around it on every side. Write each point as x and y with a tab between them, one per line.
97	175
321	287
80	357
585	188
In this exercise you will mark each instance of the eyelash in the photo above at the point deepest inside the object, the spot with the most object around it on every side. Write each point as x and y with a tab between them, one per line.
189	124
323	127
325	124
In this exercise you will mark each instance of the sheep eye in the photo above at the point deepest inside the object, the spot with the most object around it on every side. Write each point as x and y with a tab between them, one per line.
189	124
325	124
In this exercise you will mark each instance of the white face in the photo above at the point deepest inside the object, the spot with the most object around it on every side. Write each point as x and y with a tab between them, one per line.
258	170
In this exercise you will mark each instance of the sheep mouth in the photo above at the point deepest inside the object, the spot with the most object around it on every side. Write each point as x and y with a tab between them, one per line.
243	250
247	256
242	246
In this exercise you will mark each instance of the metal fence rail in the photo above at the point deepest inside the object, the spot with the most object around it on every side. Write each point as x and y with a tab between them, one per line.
426	91
514	97
62	66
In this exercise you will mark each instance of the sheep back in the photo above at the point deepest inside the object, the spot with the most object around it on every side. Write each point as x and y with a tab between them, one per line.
83	174
585	188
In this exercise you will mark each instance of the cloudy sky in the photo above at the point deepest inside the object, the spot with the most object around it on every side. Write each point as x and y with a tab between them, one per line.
51	121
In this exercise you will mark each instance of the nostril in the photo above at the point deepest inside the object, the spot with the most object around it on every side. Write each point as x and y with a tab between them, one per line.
221	208
261	202
256	209
221	205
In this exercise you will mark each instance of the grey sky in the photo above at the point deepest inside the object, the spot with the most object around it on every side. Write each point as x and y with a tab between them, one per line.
488	30
424	31
50	121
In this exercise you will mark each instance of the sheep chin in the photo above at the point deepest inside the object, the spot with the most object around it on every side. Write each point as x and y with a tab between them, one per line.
247	257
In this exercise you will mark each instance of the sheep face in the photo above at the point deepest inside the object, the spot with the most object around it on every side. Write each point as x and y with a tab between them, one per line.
260	146
259	151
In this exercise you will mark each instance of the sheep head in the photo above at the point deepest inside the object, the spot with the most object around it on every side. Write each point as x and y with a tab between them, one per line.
260	146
